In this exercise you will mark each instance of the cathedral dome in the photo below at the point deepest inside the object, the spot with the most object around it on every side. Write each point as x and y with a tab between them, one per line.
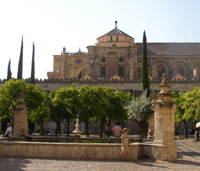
115	37
116	31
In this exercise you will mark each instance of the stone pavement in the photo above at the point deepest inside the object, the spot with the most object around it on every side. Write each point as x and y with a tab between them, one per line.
188	159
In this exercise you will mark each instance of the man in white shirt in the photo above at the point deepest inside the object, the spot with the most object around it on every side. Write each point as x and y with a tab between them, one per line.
117	130
8	132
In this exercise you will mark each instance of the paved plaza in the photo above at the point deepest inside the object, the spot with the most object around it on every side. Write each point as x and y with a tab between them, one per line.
188	159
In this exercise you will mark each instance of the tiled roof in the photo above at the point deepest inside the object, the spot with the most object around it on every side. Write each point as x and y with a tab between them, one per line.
171	48
116	31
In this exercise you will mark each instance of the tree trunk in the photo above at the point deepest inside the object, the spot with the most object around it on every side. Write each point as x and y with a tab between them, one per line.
87	128
143	127
102	121
68	122
186	130
57	127
42	127
4	124
109	122
31	127
179	131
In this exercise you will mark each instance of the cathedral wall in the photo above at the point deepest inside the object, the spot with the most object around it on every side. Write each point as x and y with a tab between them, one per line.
117	85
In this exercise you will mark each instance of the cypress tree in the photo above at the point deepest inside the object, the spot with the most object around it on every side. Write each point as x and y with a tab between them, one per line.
9	73
20	64
145	74
33	66
31	125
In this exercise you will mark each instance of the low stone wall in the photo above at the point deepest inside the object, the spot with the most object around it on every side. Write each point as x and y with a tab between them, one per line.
159	152
100	151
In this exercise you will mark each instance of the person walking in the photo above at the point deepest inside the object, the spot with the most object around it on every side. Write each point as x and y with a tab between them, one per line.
125	143
196	138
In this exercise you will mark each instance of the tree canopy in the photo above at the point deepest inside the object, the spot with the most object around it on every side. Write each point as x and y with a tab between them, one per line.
35	99
188	103
139	109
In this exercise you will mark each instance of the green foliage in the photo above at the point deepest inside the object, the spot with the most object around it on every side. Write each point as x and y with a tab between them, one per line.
145	74
9	94
88	98
140	108
9	73
35	98
41	113
188	105
37	103
20	64
115	109
68	97
191	105
178	98
92	103
58	111
33	66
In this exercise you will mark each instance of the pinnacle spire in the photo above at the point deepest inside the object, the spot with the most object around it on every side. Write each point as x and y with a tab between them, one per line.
116	24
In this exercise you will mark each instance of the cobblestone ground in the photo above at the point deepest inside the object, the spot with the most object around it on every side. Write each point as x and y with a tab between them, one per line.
188	159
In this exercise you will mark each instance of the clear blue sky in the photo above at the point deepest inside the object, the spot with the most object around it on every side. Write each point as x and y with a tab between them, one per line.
53	24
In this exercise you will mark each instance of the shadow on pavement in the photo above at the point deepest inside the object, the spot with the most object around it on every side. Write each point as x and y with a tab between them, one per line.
13	163
187	162
192	154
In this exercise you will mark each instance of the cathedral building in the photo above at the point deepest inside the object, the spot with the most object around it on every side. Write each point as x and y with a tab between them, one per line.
116	55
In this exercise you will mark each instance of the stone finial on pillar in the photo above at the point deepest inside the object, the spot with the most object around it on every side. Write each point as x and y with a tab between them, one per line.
64	50
77	132
20	117
164	109
116	24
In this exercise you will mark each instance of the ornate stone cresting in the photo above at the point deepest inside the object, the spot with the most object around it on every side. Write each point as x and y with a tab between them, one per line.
20	117
164	146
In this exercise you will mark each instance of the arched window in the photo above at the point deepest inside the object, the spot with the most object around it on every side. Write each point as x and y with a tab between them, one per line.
180	70
78	61
161	70
121	59
103	59
103	71
121	71
80	75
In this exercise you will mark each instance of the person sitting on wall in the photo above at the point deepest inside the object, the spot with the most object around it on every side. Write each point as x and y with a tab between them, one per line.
117	130
8	132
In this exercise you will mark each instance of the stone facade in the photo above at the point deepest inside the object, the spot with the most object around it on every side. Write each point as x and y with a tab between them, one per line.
116	53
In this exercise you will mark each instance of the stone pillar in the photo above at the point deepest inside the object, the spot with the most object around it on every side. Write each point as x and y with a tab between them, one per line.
164	146
131	71
20	117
